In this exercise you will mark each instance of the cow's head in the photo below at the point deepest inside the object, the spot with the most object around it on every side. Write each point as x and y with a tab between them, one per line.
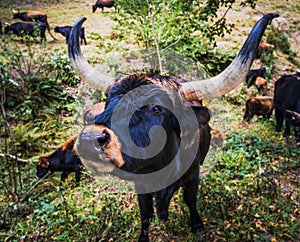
42	167
15	13
94	7
148	118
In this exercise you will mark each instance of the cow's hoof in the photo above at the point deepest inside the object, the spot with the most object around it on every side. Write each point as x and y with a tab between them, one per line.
197	228
143	239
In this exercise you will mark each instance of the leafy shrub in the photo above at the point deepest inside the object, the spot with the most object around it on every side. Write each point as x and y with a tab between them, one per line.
35	81
281	41
189	28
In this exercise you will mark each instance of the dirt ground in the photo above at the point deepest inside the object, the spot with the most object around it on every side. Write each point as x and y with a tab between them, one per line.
67	12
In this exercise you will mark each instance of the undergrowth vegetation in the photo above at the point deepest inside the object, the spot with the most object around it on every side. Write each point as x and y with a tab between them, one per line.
252	194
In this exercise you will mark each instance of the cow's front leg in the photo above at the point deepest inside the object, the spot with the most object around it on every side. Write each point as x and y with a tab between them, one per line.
78	170
64	176
279	119
147	213
190	197
162	199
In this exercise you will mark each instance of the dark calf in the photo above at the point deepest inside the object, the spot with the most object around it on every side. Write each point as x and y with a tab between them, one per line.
65	31
103	3
23	28
260	106
63	159
253	74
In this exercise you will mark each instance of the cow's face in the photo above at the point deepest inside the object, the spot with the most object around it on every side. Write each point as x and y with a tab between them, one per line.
42	167
94	7
143	124
15	13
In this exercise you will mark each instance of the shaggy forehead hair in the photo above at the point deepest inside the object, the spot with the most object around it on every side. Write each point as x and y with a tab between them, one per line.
129	82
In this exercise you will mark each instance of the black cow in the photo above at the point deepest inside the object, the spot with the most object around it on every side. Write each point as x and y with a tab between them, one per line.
32	16
103	3
253	74
65	31
152	132
27	28
63	159
286	97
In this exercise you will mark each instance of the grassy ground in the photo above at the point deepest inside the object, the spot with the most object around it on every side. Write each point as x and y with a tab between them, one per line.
250	191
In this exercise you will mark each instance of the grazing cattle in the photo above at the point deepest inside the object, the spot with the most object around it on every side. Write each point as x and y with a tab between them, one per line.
263	47
286	97
253	74
63	159
261	85
26	28
260	106
65	31
103	3
151	131
33	16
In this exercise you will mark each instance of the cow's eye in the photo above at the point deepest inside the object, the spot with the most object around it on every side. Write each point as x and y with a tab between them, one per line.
156	109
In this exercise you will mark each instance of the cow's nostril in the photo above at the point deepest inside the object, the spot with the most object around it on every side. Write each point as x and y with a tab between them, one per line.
103	139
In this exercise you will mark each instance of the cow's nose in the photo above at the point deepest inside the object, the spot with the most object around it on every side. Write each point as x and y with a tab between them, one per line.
103	138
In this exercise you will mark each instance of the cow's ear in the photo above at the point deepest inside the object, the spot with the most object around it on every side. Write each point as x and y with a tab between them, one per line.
203	114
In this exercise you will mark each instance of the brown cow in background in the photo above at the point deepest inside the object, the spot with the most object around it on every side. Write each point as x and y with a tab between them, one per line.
261	85
260	106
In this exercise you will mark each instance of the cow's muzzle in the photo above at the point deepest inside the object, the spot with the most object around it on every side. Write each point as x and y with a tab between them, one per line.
90	145
99	148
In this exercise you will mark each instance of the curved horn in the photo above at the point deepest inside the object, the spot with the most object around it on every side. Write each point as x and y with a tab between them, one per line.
235	73
89	74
